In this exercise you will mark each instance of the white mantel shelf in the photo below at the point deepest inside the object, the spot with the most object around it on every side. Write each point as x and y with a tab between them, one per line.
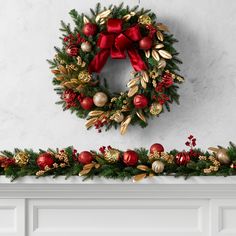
155	187
166	206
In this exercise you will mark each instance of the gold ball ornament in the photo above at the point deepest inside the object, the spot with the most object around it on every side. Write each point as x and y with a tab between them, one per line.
118	117
100	99
21	158
112	155
86	47
222	156
158	167
84	76
155	108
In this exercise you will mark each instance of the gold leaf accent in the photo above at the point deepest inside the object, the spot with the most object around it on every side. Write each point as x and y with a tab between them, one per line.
162	27
159	46
161	64
97	18
62	69
69	84
141	116
55	72
133	90
84	172
179	78
145	76
147	53
142	167
85	20
59	78
126	17
88	166
124	125
139	177
155	55
143	83
90	122
160	36
95	113
165	54
102	22
132	82
104	14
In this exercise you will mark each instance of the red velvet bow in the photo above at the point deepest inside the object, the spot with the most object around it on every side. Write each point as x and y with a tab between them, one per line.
114	43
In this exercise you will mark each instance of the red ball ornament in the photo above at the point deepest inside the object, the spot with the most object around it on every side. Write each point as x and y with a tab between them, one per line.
87	103
90	29
156	147
145	43
85	157
72	50
140	101
182	158
130	158
45	159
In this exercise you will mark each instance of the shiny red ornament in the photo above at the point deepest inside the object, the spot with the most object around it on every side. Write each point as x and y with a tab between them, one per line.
182	158
145	43
130	158
45	159
87	103
156	147
72	50
90	29
140	101
85	157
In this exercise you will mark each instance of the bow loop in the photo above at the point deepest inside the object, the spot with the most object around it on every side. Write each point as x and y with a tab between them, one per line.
115	42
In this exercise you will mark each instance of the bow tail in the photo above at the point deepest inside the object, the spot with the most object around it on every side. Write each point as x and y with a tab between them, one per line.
99	61
136	60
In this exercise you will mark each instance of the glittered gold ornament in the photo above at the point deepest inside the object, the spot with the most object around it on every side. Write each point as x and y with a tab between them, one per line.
221	155
112	155
155	108
86	47
144	20
21	158
100	99
158	167
84	76
118	117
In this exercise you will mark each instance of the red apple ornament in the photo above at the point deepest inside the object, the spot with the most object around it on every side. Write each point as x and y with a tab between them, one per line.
145	43
45	159
140	101
89	29
156	147
130	158
87	103
85	157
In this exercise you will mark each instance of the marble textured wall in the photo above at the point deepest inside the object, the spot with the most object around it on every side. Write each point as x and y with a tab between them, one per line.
29	118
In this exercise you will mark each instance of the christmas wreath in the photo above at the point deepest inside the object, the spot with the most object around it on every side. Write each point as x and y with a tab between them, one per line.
116	32
110	162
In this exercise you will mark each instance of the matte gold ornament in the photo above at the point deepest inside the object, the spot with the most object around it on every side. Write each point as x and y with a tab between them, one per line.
158	167
112	155
221	155
21	158
145	20
156	108
86	47
100	99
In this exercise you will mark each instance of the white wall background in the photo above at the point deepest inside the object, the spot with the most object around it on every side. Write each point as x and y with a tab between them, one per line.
206	30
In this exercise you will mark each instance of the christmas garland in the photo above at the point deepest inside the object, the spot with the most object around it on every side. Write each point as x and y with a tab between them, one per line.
113	163
114	32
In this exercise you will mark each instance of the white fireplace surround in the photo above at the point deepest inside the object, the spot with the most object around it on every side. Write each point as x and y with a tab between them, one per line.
163	206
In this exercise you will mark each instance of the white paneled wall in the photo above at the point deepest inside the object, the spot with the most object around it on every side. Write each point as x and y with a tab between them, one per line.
163	206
